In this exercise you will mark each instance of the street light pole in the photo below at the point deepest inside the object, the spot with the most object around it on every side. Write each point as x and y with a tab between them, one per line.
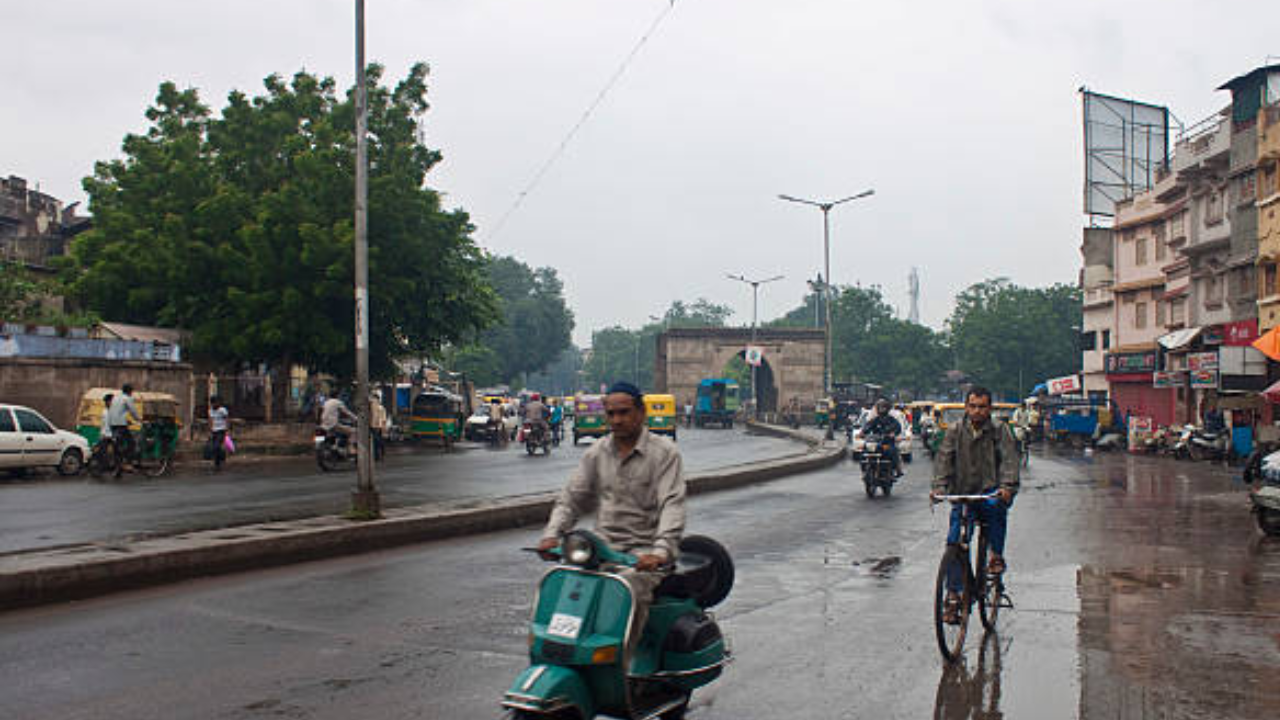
755	296
825	207
364	500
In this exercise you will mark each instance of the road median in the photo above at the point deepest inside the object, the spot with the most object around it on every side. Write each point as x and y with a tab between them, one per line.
44	576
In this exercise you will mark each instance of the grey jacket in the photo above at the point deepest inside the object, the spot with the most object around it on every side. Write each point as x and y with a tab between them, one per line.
972	461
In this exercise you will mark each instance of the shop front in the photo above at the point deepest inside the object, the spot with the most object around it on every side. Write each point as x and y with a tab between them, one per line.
1134	391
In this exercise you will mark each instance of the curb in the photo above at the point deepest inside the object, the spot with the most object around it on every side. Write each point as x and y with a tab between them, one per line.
84	571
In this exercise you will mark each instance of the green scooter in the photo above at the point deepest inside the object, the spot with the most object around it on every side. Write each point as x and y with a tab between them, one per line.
582	618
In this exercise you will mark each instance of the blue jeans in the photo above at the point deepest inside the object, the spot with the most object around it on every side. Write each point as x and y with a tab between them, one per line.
993	512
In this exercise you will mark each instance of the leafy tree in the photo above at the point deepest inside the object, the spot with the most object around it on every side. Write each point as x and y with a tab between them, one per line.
1008	337
534	330
239	228
18	292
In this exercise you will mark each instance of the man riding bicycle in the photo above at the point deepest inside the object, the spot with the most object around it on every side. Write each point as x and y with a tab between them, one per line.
977	456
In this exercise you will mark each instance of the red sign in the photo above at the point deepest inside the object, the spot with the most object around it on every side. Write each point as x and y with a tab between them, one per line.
1064	385
1240	333
1202	361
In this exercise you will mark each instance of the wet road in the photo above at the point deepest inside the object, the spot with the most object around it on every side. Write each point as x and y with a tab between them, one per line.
1142	591
50	511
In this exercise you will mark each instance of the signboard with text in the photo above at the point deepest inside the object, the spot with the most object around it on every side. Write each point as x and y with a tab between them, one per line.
1139	362
1240	333
1204	378
1064	385
1167	379
1202	361
753	355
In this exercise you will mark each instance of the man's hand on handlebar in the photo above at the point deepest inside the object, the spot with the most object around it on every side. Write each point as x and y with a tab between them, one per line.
546	544
1005	495
649	562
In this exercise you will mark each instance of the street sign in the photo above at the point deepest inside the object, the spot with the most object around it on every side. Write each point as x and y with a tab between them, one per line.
1204	379
1202	361
1064	385
754	355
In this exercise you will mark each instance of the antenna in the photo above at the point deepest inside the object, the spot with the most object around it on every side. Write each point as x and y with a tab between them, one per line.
913	289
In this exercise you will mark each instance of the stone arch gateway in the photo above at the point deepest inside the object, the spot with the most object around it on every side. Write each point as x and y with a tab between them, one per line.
685	356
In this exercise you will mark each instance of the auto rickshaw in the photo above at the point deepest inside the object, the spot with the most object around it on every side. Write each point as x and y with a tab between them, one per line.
660	414
436	414
822	412
156	434
588	417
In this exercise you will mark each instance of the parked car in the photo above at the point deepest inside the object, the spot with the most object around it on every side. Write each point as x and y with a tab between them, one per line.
28	440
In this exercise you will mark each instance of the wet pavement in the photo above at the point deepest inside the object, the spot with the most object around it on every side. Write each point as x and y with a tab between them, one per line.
1142	590
50	511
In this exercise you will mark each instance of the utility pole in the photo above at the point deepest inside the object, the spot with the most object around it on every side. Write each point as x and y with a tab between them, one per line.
755	296
825	207
364	500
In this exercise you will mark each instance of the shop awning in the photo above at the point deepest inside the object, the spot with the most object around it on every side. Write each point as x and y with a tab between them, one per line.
1272	393
1178	338
1269	344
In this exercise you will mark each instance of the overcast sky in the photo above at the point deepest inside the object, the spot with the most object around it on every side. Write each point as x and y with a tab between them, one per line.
963	116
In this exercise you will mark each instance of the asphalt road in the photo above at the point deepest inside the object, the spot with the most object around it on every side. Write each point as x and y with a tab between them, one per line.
49	511
1142	591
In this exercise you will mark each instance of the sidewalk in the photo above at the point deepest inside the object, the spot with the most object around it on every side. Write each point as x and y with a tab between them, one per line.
44	576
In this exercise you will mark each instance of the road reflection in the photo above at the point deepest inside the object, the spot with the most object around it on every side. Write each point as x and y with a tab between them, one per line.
966	693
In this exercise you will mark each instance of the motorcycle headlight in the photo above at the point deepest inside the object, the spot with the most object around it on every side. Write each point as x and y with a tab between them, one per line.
579	550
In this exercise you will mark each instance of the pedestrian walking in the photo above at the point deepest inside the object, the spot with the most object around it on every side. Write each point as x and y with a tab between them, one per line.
219	425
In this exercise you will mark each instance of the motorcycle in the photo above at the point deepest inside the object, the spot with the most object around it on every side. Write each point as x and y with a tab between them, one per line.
1207	444
581	628
332	449
535	437
878	469
1264	474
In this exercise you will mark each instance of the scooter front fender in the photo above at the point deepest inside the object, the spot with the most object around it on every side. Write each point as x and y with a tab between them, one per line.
549	689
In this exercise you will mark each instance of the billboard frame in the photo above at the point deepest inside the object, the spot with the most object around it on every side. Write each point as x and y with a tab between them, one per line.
1126	143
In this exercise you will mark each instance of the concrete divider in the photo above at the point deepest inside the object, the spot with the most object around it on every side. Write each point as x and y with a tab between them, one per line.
44	576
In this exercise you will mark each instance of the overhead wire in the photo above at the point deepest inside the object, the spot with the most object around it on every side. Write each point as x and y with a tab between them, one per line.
586	115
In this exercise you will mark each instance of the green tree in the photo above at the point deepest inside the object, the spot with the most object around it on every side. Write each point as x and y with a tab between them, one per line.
18	292
239	228
534	329
1008	337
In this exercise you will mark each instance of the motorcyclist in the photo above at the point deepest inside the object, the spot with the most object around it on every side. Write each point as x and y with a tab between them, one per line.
535	414
977	456
557	420
882	422
332	416
496	425
634	481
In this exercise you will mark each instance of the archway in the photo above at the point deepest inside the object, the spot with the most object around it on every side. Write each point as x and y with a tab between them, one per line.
765	390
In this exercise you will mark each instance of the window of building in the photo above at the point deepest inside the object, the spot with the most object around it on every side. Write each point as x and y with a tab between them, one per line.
1140	251
1160	249
1106	339
1089	341
1177	310
1160	313
1140	315
1213	208
1268	280
1213	290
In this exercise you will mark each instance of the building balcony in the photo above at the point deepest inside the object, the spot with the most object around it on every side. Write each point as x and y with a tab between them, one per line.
1269	134
1206	143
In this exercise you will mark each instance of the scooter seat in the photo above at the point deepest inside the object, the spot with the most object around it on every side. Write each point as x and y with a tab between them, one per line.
692	572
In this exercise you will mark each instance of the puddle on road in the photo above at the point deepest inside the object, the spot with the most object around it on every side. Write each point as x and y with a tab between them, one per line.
882	568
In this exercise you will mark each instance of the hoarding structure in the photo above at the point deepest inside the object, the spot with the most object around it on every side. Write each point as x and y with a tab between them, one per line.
1125	144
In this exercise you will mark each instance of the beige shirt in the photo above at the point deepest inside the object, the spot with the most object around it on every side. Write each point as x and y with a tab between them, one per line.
639	500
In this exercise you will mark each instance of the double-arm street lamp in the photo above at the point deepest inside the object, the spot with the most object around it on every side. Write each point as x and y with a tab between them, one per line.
755	296
825	207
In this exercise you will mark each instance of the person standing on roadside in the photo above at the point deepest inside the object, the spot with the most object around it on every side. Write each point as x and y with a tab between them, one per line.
219	424
377	424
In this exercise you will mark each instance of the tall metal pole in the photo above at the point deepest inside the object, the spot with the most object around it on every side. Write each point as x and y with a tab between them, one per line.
755	296
826	295
364	500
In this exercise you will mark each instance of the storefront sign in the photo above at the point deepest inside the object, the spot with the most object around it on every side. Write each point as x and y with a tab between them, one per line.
1140	424
1202	361
1064	385
1240	333
1204	378
1212	335
1167	379
1141	362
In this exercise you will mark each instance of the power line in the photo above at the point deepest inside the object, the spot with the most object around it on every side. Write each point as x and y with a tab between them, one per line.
555	155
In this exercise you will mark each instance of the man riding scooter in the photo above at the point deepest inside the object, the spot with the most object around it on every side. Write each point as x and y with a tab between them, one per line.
615	474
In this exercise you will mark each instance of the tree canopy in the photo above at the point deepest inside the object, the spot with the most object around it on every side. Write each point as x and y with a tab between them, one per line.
239	228
534	329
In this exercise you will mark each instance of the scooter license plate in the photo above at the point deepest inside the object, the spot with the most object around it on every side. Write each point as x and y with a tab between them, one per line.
565	626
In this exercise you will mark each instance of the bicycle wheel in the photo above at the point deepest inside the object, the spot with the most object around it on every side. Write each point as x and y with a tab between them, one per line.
154	467
951	634
101	460
990	588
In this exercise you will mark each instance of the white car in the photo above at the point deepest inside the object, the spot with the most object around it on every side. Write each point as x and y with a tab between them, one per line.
28	440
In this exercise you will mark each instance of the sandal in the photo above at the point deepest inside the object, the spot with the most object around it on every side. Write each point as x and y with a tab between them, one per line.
996	566
951	609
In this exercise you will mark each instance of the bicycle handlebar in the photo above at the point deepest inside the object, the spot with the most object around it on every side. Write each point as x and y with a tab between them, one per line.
964	498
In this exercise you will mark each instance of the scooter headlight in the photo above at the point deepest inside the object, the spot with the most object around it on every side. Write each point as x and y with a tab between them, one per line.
579	550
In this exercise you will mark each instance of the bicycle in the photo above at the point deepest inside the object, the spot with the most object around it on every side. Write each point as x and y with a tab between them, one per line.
976	584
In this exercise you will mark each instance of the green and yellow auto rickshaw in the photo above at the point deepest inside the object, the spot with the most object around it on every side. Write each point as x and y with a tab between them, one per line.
589	418
822	412
436	414
660	414
156	435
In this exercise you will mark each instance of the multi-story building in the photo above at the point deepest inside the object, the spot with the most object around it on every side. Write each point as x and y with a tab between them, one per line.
34	226
1096	280
1268	209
